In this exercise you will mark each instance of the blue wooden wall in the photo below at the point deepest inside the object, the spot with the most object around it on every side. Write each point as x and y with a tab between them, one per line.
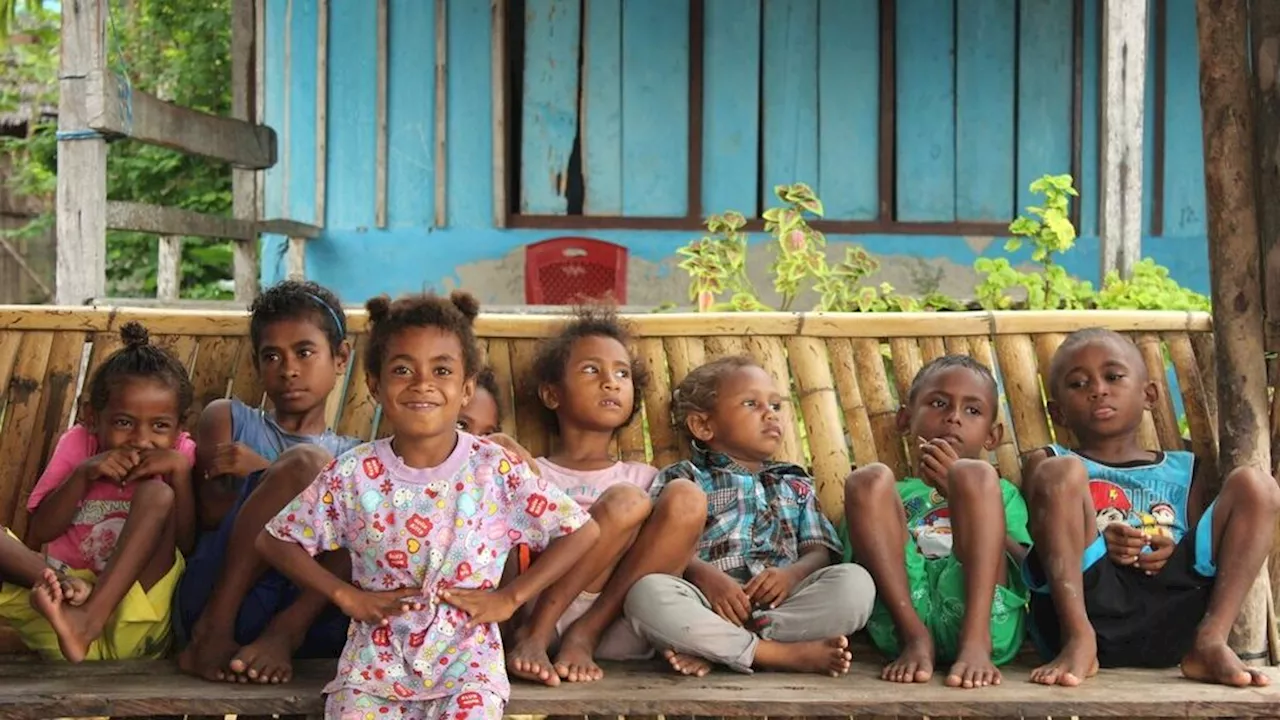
790	92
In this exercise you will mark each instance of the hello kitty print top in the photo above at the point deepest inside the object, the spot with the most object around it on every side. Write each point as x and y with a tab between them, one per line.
447	526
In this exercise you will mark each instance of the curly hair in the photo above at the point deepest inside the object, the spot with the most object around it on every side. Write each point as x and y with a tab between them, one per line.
1083	337
139	359
487	381
298	300
552	359
456	314
700	389
947	362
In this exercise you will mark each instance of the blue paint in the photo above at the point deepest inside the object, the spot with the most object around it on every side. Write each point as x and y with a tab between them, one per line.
353	92
411	124
926	147
549	117
985	46
469	195
730	85
1089	182
849	108
275	77
602	107
1148	123
655	108
1044	93
302	111
1184	201
790	96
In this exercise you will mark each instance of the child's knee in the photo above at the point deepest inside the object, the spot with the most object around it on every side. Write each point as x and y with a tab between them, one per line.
683	502
1257	487
1054	477
868	479
298	466
623	505
153	495
974	478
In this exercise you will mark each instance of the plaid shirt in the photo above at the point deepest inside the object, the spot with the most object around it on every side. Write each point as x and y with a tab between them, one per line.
754	521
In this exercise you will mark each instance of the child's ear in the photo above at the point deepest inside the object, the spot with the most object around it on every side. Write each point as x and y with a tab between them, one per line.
994	437
468	391
903	420
342	356
549	394
699	424
371	382
1150	394
1055	413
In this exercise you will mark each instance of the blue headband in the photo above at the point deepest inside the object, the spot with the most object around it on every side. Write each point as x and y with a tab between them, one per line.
342	330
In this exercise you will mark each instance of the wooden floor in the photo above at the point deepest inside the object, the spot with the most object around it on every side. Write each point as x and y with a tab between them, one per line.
31	690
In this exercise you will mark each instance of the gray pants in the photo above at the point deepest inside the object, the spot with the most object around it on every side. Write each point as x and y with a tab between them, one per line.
672	613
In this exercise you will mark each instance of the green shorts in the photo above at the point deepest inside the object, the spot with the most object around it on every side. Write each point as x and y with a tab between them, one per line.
937	594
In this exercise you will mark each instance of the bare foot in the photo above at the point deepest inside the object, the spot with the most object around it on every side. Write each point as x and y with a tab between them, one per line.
269	659
973	668
826	657
1214	662
1077	662
528	659
576	660
687	664
209	655
914	664
72	625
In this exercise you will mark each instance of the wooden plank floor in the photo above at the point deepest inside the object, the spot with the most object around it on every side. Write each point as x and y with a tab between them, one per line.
31	690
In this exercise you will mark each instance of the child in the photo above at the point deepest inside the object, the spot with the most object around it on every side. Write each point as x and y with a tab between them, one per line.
587	382
428	515
246	621
1106	592
115	507
481	416
945	547
23	567
761	591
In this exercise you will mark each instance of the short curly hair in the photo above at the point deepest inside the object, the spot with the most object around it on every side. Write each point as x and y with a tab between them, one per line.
456	314
298	300
701	387
139	359
947	362
553	353
1082	337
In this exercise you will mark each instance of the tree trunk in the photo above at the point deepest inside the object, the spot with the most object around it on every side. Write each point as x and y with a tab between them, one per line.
1235	268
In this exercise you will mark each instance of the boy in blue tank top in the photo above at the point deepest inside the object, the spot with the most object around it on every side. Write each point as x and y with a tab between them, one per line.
1133	563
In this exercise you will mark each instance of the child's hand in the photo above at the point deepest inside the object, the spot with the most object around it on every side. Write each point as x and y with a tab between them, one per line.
510	444
377	608
74	590
113	465
484	606
235	459
726	595
1162	547
153	463
771	587
1124	543
937	456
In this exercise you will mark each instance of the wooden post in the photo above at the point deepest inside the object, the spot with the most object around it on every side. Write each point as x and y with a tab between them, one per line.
81	273
1264	34
296	259
1235	269
244	183
169	268
1124	73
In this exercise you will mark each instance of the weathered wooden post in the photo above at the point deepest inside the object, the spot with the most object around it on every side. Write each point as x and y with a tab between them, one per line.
1235	268
1124	75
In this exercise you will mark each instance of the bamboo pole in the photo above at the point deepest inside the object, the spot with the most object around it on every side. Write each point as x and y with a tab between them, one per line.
1235	265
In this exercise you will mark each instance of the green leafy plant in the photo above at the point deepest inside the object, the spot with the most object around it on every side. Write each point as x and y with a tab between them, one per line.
1148	288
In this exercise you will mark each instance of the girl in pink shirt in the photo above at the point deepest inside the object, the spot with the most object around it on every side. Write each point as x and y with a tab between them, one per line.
114	507
588	382
428	516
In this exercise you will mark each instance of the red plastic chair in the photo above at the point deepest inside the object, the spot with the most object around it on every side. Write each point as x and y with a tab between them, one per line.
570	270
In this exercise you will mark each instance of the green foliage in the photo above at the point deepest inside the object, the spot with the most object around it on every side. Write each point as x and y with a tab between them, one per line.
178	50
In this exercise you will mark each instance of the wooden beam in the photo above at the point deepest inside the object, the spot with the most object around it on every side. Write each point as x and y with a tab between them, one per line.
1235	270
442	126
118	109
81	273
499	88
22	264
1264	35
322	109
380	119
169	268
1124	73
245	183
289	228
296	259
137	217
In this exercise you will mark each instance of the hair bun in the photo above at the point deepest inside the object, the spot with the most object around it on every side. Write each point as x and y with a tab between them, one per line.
135	335
466	303
379	308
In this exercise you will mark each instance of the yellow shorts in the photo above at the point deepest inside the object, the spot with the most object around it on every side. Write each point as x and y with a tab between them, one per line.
140	628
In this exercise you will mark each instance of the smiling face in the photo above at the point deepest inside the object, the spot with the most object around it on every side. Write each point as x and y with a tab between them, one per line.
957	405
140	413
1101	390
422	384
746	420
297	366
597	392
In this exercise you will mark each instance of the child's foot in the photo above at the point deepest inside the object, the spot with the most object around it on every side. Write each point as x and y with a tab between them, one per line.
973	668
687	664
914	664
75	631
826	657
528	659
1216	663
269	659
576	660
209	655
1077	662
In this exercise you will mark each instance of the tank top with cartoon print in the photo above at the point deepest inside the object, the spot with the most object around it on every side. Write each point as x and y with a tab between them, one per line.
1149	496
